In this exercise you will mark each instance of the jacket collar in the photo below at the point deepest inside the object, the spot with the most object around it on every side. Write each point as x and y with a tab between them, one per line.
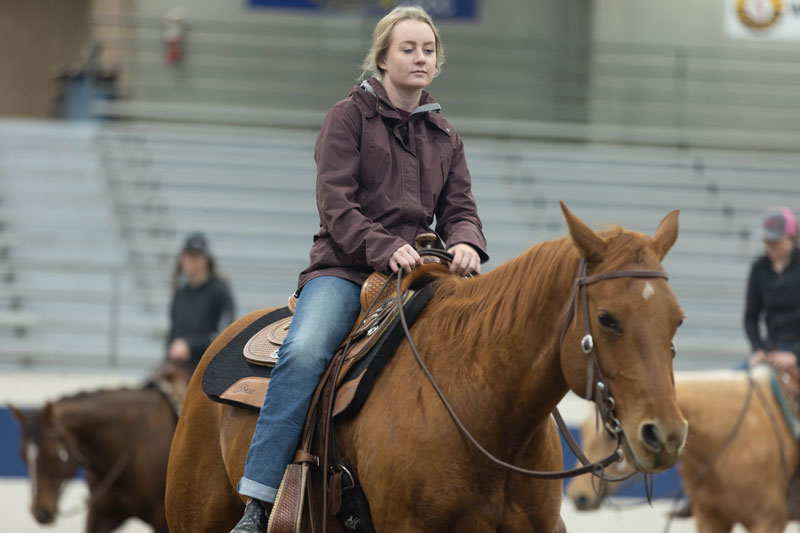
373	100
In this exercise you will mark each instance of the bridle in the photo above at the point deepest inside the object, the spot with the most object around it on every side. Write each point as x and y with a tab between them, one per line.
604	401
597	388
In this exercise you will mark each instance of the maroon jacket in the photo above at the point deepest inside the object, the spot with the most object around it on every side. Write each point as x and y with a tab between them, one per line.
380	182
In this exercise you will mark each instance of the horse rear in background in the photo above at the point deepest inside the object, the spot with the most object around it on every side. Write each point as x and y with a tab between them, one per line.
494	343
120	437
731	474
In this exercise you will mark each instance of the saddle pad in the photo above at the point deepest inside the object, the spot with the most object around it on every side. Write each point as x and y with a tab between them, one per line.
787	405
229	368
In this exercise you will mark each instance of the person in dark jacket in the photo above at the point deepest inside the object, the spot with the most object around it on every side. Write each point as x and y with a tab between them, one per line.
387	164
773	293
201	307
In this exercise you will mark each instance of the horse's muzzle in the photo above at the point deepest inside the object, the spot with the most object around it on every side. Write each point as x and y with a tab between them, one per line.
44	515
658	446
586	503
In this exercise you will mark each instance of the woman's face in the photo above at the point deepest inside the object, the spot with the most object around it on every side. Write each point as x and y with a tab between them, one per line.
779	251
194	264
411	59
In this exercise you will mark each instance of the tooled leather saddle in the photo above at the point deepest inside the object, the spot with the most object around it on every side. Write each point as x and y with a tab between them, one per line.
239	373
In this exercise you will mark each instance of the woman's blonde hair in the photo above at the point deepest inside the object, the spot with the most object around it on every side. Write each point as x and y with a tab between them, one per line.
382	39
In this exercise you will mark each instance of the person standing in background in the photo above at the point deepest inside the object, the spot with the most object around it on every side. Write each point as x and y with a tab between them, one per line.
773	292
202	304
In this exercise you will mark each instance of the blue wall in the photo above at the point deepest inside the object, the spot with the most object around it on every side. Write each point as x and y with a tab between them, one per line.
455	9
11	464
665	484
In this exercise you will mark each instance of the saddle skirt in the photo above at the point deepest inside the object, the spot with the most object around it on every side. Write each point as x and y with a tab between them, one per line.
239	373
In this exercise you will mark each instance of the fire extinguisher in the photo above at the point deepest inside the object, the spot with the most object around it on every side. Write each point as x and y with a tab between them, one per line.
174	37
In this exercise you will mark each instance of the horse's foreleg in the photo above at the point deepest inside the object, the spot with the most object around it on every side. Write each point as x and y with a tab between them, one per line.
158	520
709	521
769	526
102	522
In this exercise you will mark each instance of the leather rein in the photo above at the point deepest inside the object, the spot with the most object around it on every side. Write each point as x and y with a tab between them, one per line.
595	380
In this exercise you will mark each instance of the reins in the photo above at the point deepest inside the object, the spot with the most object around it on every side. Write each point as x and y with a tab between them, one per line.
606	408
116	469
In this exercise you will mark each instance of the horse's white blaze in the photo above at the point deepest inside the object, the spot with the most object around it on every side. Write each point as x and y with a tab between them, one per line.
648	290
31	455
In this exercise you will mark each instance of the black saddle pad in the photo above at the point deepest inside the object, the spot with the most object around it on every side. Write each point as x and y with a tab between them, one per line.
229	365
376	358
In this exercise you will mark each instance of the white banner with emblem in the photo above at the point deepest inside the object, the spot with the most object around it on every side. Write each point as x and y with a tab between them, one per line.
763	20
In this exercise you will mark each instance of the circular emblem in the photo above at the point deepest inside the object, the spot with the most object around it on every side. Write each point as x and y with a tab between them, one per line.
759	14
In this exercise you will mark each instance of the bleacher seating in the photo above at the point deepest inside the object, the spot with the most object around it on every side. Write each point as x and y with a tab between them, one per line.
68	294
92	218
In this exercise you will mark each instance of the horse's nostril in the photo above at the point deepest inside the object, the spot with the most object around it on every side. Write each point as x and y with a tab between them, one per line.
582	503
44	516
650	436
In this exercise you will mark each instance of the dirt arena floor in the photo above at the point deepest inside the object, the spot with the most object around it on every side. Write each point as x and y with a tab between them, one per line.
15	517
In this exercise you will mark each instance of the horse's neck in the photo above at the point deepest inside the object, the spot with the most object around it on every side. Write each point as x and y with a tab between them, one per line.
508	354
94	424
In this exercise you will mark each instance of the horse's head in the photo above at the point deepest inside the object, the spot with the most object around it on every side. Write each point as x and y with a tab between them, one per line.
632	321
587	492
45	450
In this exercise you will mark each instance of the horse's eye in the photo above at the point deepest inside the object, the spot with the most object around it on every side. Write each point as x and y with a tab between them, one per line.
607	321
680	322
672	350
63	455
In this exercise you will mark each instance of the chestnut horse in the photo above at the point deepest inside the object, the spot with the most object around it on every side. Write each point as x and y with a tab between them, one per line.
121	437
492	342
732	475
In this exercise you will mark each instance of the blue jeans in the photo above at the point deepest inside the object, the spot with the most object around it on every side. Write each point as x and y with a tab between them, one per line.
326	311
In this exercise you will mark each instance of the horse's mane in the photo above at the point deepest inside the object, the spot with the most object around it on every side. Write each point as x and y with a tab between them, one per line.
496	295
88	395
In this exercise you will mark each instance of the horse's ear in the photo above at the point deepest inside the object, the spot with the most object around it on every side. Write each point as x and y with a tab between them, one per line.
47	413
666	234
588	242
17	414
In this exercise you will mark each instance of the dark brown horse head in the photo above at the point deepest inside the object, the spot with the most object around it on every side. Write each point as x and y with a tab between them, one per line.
632	321
46	451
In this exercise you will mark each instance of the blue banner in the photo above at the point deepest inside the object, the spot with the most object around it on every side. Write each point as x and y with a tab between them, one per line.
439	9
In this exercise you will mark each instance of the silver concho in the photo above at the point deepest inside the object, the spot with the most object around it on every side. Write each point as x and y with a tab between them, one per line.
587	344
